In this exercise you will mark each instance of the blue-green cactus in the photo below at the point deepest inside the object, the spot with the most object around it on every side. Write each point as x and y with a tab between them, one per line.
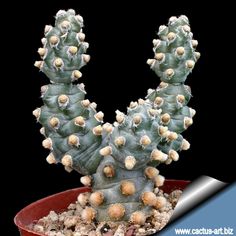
119	160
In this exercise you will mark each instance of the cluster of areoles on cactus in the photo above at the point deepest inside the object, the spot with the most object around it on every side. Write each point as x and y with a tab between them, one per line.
119	160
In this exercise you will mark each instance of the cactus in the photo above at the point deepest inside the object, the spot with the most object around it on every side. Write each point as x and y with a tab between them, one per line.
118	160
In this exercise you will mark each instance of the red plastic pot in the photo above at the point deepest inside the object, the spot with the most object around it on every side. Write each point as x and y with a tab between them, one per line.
60	201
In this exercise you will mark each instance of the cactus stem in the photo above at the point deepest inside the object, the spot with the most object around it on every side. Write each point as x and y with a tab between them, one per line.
119	158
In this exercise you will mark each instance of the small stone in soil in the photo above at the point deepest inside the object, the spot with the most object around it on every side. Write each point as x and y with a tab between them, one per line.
105	228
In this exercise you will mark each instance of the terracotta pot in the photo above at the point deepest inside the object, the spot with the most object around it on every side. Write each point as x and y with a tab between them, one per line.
60	201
